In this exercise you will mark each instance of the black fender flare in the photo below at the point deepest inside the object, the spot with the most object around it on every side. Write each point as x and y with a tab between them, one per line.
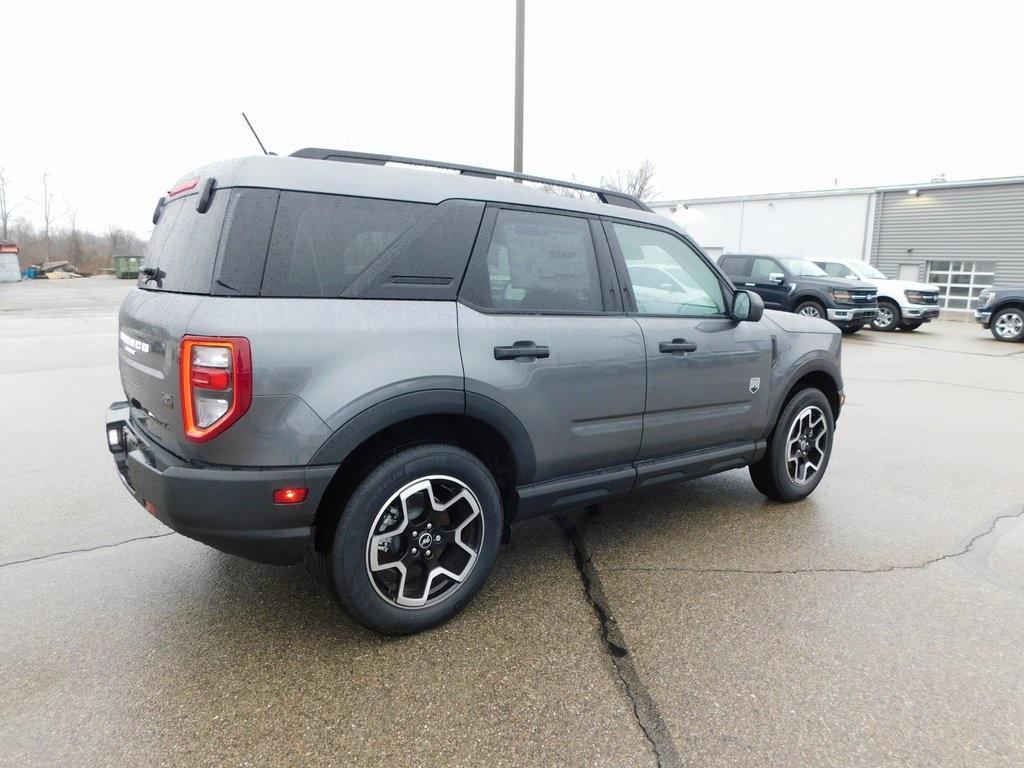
820	363
431	402
807	295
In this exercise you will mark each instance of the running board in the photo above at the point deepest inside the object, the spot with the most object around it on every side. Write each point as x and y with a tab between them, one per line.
580	490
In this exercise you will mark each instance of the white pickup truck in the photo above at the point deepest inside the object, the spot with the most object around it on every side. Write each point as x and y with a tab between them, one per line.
902	304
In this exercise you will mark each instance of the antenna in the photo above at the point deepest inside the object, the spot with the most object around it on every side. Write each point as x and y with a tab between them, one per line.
255	134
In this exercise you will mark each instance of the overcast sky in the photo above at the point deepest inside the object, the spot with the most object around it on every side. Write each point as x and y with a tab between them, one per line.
118	101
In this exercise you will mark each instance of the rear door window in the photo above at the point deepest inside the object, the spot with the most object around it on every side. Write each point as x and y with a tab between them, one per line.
735	265
538	262
183	247
322	243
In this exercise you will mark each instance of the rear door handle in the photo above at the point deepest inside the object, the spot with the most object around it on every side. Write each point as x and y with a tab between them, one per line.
521	350
677	345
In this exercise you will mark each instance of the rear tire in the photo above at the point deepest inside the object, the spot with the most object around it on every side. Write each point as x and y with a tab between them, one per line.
810	308
1008	325
888	317
416	540
798	448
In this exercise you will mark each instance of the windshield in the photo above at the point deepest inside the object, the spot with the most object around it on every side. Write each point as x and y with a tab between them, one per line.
802	268
865	270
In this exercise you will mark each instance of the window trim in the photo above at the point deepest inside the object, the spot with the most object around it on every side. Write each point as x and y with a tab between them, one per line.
626	285
606	276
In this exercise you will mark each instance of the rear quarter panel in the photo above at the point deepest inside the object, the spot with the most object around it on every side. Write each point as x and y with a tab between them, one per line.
317	363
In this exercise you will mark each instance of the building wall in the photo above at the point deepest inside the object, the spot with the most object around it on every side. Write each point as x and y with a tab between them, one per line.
979	224
822	225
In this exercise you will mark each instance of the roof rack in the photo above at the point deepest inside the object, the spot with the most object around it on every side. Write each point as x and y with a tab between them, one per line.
608	196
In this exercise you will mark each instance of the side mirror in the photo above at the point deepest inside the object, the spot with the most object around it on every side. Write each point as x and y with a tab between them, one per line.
747	306
776	277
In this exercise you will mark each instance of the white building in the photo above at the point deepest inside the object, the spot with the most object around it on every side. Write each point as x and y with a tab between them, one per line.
10	269
963	236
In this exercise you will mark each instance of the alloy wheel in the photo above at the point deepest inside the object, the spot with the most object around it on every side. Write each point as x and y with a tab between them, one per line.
806	445
424	541
884	318
810	311
1008	325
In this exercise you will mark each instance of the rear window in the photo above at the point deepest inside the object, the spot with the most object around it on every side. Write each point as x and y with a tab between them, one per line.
183	247
322	243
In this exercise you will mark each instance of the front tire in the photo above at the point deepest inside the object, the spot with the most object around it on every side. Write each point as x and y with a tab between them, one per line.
416	540
798	449
888	317
851	329
810	308
1008	325
910	326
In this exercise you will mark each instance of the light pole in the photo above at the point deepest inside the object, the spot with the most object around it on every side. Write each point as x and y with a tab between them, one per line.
517	152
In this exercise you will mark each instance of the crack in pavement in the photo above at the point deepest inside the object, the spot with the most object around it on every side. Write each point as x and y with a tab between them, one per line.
51	555
645	709
986	531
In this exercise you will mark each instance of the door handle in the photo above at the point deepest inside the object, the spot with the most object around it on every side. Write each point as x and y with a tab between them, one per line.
750	285
677	346
521	350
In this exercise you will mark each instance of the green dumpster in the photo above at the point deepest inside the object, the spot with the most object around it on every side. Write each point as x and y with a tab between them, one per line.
127	267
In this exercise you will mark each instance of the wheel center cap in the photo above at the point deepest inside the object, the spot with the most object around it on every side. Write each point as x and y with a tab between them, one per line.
425	540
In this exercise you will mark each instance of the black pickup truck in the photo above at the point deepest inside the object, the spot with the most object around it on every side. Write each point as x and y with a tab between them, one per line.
1001	310
796	285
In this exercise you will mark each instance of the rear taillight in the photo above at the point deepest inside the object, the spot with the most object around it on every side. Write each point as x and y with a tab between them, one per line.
216	384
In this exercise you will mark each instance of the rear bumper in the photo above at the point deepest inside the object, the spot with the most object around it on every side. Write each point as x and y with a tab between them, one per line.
983	316
859	315
229	509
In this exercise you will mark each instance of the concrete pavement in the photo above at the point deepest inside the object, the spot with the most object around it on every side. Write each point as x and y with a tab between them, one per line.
879	622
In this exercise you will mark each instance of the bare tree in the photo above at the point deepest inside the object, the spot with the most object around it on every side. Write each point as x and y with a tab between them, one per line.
50	215
74	240
7	208
571	192
115	239
638	182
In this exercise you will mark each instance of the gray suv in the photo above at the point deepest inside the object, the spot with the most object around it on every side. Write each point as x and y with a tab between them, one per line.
391	365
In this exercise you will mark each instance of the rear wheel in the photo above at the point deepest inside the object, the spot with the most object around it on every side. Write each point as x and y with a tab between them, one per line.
416	540
888	317
1008	325
810	309
798	449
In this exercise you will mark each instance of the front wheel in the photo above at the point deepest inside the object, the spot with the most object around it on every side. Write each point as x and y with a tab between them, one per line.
810	309
1008	325
851	329
798	449
888	317
416	540
910	326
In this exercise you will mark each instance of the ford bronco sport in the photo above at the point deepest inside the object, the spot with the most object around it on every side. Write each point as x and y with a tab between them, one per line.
390	365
